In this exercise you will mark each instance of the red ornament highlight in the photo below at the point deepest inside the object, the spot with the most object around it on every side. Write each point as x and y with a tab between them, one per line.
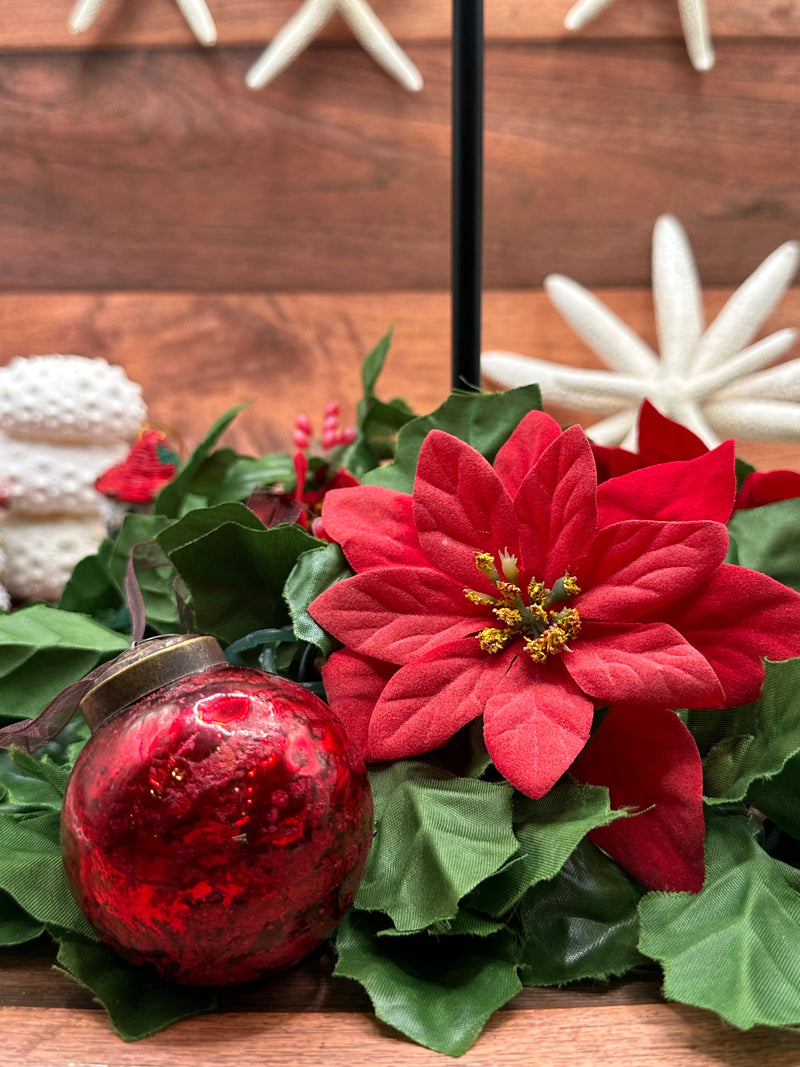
218	828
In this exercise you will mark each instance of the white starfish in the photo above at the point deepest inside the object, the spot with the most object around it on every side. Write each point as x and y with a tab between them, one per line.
195	12
301	30
694	20
711	379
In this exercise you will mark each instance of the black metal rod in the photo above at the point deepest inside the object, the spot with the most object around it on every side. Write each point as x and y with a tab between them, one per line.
467	176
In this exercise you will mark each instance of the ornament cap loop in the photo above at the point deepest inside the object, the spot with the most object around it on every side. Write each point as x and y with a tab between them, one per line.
148	666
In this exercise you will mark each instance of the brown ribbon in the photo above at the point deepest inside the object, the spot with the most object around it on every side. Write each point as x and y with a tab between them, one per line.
31	734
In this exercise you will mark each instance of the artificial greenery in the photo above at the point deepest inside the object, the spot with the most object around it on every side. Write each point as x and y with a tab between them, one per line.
472	890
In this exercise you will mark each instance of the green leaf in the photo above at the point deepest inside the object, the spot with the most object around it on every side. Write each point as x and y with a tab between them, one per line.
37	783
436	838
731	947
91	591
16	926
32	872
234	567
138	1002
377	422
582	923
172	497
31	782
779	798
548	831
765	539
743	468
761	736
439	991
484	420
313	573
245	474
43	650
155	583
373	363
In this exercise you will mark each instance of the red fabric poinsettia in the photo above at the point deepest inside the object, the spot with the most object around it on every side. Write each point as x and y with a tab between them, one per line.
767	487
661	440
525	593
650	763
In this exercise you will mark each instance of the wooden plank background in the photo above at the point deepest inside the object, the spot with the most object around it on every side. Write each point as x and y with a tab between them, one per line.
225	244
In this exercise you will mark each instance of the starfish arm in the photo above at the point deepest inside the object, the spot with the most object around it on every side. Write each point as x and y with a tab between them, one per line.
200	21
83	15
583	12
614	429
737	323
758	420
676	295
694	20
290	41
588	390
759	355
376	40
604	332
775	383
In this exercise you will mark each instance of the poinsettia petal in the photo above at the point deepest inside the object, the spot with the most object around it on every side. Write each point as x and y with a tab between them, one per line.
374	526
633	567
430	699
702	488
556	507
523	448
641	664
535	722
396	613
353	685
737	619
612	462
662	440
460	508
768	487
649	761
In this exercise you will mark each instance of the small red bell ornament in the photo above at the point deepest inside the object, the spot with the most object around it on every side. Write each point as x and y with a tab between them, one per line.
217	823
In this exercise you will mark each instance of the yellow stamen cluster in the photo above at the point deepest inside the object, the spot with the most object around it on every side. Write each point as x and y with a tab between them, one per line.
545	627
554	640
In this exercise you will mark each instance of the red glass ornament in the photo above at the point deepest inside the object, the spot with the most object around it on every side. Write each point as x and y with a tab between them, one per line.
218	827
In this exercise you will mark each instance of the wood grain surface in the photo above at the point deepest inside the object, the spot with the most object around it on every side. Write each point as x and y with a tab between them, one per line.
158	22
644	1035
161	170
197	355
305	1017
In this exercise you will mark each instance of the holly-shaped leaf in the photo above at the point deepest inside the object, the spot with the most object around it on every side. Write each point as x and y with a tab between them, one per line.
760	737
244	474
234	567
548	831
439	991
32	872
730	947
765	539
138	1002
314	572
172	499
437	837
779	798
16	926
42	651
483	420
582	923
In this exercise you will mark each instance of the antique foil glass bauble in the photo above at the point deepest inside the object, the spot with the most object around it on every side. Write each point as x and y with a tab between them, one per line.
217	823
